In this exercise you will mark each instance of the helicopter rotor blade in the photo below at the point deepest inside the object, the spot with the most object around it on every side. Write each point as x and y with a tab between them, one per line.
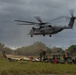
61	17
72	12
25	24
26	21
38	19
30	23
57	18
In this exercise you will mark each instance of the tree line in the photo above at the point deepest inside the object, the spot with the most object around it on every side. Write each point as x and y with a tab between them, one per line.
35	48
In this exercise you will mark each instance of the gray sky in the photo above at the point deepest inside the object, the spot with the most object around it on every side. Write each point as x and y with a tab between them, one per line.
15	36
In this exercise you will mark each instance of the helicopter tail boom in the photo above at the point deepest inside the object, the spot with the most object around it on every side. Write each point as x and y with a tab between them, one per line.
71	23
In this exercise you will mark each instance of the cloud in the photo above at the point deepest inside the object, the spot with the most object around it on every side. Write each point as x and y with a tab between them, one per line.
15	36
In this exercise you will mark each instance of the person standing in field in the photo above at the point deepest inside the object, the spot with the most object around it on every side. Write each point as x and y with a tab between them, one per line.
42	55
4	54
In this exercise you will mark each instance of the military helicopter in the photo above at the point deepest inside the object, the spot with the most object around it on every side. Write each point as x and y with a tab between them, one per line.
45	28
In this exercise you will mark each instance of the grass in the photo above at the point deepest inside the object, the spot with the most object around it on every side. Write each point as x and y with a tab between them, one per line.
35	68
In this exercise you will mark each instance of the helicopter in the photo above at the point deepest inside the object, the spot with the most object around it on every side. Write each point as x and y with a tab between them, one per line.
45	28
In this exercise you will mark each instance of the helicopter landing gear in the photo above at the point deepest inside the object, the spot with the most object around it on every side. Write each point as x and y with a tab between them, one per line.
44	34
31	35
50	35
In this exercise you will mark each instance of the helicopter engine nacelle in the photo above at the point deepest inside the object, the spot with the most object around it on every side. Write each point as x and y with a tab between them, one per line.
33	28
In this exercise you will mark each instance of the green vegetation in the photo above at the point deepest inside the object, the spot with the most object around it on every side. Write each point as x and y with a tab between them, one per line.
32	49
35	48
35	68
72	49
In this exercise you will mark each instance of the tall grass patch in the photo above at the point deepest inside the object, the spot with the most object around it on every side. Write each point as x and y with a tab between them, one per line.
28	67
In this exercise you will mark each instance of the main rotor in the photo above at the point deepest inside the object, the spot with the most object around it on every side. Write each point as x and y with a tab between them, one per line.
41	23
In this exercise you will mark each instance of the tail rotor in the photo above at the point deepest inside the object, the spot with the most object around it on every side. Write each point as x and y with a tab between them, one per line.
72	19
72	12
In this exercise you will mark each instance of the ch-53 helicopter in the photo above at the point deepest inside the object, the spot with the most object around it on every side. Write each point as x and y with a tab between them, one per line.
45	29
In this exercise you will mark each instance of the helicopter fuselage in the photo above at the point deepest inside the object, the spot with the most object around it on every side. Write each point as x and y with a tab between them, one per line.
47	30
50	30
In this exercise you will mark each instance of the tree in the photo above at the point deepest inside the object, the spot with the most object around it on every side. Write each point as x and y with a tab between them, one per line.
72	50
1	46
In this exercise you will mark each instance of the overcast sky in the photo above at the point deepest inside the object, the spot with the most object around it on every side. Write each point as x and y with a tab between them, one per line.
15	36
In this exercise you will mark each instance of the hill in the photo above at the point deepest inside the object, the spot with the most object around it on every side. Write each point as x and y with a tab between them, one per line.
33	49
